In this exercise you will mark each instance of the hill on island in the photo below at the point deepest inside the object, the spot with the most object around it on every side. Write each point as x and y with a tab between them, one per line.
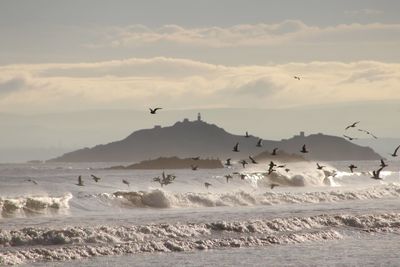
164	163
188	139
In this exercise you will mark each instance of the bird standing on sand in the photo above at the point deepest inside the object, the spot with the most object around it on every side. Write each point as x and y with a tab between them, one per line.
236	148
207	185
319	167
125	182
395	152
304	149
352	167
153	111
95	178
80	181
253	160
259	143
383	164
376	174
274	151
352	125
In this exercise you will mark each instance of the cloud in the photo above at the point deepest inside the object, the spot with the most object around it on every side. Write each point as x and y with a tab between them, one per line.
184	83
364	12
253	35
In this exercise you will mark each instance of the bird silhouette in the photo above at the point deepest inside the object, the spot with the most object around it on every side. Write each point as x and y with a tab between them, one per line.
80	181
368	132
194	167
304	149
296	77
125	182
271	164
242	176
259	143
395	152
274	151
95	178
228	162
383	163
319	167
352	125
236	148
352	167
207	185
244	163
31	180
247	135
350	138
153	111
253	160
227	177
376	174
287	170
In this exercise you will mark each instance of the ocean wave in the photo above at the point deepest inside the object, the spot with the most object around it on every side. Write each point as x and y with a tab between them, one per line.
33	205
36	244
159	198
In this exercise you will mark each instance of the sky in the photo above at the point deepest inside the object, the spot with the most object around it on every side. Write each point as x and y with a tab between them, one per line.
71	56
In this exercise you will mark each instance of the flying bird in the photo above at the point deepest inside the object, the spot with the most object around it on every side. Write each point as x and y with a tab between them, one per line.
352	167
383	164
273	185
304	149
271	164
80	181
253	160
95	178
274	151
352	125
368	132
376	174
319	167
125	182
227	177
153	111
259	143
228	162
395	152
350	138
207	185
244	163
287	170
236	148
31	180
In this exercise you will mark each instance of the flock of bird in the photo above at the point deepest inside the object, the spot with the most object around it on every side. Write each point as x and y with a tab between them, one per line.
167	179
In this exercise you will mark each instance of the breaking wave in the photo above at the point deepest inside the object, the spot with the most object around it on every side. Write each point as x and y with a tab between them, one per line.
33	205
35	244
163	199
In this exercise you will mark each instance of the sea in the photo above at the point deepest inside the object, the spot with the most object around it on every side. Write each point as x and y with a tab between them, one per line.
328	217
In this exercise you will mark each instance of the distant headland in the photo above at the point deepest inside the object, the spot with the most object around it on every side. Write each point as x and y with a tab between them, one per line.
187	138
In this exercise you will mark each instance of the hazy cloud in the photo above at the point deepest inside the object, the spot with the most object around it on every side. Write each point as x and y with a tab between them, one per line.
364	12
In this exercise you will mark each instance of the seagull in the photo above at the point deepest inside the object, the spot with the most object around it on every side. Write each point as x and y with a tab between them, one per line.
368	132
319	167
383	164
350	138
274	151
207	185
352	125
395	152
247	135
236	148
228	162
228	176
125	182
243	162
194	167
153	111
273	185
80	182
95	178
271	164
303	149
376	174
196	158
31	180
253	160
287	170
296	77
352	167
259	143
